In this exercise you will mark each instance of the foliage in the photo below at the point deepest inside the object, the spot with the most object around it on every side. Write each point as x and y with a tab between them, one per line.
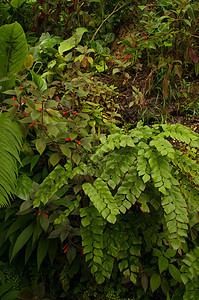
166	40
108	213
130	169
10	144
14	50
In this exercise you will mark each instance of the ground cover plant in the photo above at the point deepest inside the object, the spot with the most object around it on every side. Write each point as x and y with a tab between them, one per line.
99	174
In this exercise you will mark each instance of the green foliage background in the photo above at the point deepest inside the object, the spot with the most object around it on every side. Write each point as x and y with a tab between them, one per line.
108	210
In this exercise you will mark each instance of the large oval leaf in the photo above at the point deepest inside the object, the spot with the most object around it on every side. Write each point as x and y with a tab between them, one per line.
22	239
23	188
42	250
73	40
155	282
39	81
13	52
17	3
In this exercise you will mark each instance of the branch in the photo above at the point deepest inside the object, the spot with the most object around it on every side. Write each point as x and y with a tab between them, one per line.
18	11
115	10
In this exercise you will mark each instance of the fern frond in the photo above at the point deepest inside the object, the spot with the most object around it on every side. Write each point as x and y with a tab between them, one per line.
124	246
51	184
92	241
190	273
10	144
176	216
102	199
180	133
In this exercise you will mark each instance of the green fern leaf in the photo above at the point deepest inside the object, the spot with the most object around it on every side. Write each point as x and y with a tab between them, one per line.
10	144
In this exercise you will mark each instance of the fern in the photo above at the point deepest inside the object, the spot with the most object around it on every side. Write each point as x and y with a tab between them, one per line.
143	171
51	184
190	273
10	144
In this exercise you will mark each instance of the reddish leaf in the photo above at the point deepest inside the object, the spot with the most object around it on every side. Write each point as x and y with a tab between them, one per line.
193	56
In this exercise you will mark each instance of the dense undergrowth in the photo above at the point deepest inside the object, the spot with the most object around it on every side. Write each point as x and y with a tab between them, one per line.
99	186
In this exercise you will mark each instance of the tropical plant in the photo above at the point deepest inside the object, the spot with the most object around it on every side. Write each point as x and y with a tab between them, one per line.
10	144
14	50
129	177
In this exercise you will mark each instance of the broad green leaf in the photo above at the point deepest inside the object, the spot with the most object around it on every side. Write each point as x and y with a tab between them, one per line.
52	129
17	3
71	253
34	161
10	295
51	104
165	286
72	135
99	277
22	239
155	282
187	22
170	253
42	250
76	158
25	206
163	263
52	250
39	81
65	150
72	41
13	52
30	103
5	287
41	145
19	223
85	142
44	221
35	114
24	187
54	159
29	249
144	281
175	273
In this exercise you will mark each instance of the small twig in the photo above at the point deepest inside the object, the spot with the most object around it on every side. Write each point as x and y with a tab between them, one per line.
115	10
18	11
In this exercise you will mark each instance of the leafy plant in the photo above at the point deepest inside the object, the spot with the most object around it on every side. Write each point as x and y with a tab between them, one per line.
129	176
10	144
14	50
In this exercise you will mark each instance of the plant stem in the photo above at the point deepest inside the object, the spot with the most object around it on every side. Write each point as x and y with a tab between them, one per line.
18	11
115	10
